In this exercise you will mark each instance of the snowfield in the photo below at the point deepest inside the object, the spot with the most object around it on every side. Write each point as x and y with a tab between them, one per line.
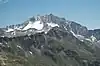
37	25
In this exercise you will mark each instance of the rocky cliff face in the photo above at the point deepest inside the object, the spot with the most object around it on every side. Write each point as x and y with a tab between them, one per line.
49	41
57	46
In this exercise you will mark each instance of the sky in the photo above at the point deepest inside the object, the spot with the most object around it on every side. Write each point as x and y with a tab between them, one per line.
84	12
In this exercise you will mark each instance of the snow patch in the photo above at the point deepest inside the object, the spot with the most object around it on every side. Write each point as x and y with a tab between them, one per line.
84	60
39	31
1	43
9	30
52	24
3	36
82	40
73	33
13	33
30	52
18	28
37	25
93	38
46	31
19	46
88	39
65	28
80	37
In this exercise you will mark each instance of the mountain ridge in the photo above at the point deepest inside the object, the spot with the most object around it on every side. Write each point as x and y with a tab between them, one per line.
51	20
49	41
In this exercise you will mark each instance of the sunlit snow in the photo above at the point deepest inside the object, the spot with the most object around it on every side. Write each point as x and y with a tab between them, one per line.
65	28
73	33
18	46
88	39
93	38
37	25
9	30
30	52
52	24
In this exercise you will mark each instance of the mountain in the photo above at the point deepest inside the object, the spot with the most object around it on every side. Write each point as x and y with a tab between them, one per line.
45	23
49	40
